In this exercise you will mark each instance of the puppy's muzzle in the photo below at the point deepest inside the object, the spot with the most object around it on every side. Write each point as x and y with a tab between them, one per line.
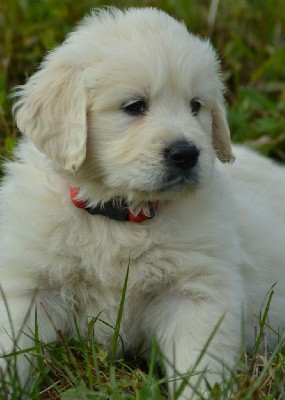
182	155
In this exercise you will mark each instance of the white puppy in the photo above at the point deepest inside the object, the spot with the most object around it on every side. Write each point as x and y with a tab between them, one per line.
125	136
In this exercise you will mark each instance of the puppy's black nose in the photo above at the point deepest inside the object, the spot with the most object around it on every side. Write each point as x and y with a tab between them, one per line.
182	154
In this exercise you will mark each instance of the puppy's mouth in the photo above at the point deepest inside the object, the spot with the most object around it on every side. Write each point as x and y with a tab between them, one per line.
168	182
176	181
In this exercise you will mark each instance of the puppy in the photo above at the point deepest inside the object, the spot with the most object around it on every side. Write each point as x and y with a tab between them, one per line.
126	160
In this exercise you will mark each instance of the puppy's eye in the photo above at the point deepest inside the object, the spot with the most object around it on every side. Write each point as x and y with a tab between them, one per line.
135	108
195	106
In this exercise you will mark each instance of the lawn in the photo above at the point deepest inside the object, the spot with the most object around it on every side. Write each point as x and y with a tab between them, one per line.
250	39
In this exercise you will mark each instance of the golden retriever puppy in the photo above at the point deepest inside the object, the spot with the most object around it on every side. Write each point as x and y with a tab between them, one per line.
126	160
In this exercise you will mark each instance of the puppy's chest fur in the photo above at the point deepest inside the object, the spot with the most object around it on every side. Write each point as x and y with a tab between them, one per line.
100	252
96	254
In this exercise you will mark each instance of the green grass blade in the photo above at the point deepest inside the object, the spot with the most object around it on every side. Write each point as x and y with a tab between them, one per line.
262	322
115	338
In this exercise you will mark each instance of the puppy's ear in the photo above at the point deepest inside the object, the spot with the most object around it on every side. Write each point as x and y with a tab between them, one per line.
221	133
51	111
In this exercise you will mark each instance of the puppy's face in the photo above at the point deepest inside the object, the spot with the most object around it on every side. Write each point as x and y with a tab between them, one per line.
131	101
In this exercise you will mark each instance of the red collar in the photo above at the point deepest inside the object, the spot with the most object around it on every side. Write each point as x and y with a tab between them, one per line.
109	209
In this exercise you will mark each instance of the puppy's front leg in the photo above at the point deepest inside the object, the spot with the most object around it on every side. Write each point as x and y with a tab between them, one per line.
182	325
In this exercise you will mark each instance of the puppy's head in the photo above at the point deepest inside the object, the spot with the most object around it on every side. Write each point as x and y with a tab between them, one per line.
131	102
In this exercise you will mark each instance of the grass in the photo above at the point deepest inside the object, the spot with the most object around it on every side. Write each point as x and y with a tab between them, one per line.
249	36
62	373
79	368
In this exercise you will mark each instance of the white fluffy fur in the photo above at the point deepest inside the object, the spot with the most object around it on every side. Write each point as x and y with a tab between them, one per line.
214	248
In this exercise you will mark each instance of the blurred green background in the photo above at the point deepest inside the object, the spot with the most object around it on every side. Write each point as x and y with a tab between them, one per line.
249	36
